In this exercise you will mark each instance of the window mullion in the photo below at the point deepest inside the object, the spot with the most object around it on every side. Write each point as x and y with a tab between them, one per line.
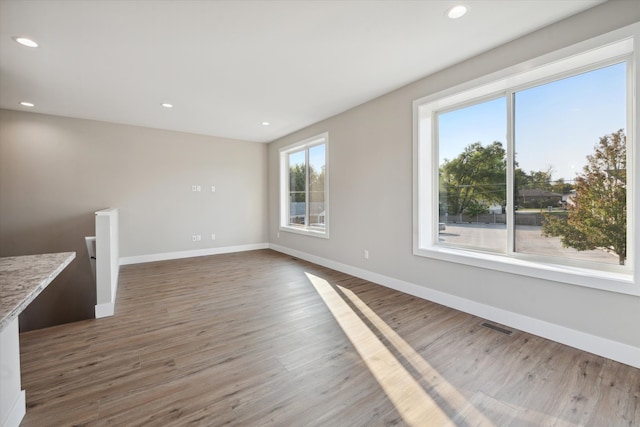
306	187
433	231
510	211
287	208
633	241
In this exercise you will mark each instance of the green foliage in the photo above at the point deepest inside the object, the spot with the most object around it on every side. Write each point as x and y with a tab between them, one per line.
535	180
561	187
475	208
298	184
476	176
598	217
316	179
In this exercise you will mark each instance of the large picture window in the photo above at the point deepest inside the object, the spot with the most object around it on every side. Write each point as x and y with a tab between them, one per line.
531	171
304	185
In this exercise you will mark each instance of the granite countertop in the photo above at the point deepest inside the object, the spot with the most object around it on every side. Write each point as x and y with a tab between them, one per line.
22	278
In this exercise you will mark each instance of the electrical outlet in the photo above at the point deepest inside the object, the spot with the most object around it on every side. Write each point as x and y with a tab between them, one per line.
213	188
213	237
194	238
196	188
198	237
366	254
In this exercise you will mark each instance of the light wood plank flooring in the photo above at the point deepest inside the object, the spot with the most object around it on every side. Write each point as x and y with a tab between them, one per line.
259	338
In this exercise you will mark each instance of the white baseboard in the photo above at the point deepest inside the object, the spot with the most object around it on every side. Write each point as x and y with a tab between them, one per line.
614	350
104	309
17	411
165	256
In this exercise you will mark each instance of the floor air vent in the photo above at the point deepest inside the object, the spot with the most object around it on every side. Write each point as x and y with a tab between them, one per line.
497	328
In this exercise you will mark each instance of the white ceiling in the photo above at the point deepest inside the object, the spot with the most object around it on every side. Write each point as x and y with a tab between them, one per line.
227	66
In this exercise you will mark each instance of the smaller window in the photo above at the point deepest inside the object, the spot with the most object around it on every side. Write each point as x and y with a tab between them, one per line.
304	187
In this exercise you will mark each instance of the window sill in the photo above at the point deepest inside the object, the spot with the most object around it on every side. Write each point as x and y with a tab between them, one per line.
324	234
620	282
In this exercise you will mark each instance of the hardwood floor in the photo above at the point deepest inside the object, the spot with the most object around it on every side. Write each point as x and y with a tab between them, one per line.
259	338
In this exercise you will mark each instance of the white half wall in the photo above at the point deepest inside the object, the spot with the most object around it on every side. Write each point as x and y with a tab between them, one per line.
12	397
107	261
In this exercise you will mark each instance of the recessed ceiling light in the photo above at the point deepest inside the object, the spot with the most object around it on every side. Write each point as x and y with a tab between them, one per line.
457	11
27	104
25	41
167	105
265	123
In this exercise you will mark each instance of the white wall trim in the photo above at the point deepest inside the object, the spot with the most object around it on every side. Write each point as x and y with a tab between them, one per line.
614	350
107	261
12	397
165	256
105	309
17	411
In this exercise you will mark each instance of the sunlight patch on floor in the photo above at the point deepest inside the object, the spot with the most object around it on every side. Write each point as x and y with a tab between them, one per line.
439	385
413	403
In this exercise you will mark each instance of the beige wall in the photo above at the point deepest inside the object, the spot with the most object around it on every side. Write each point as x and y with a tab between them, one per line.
371	196
56	172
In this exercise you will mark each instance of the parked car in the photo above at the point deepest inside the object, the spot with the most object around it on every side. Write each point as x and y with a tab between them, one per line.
442	226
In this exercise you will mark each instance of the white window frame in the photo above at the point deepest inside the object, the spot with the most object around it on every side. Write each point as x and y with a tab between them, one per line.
284	186
600	51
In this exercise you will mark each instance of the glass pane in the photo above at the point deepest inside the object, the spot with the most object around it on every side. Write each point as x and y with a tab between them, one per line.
570	176
472	176
317	170
297	188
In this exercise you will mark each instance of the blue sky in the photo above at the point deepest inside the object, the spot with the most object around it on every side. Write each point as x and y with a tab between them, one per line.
316	157
556	124
296	158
